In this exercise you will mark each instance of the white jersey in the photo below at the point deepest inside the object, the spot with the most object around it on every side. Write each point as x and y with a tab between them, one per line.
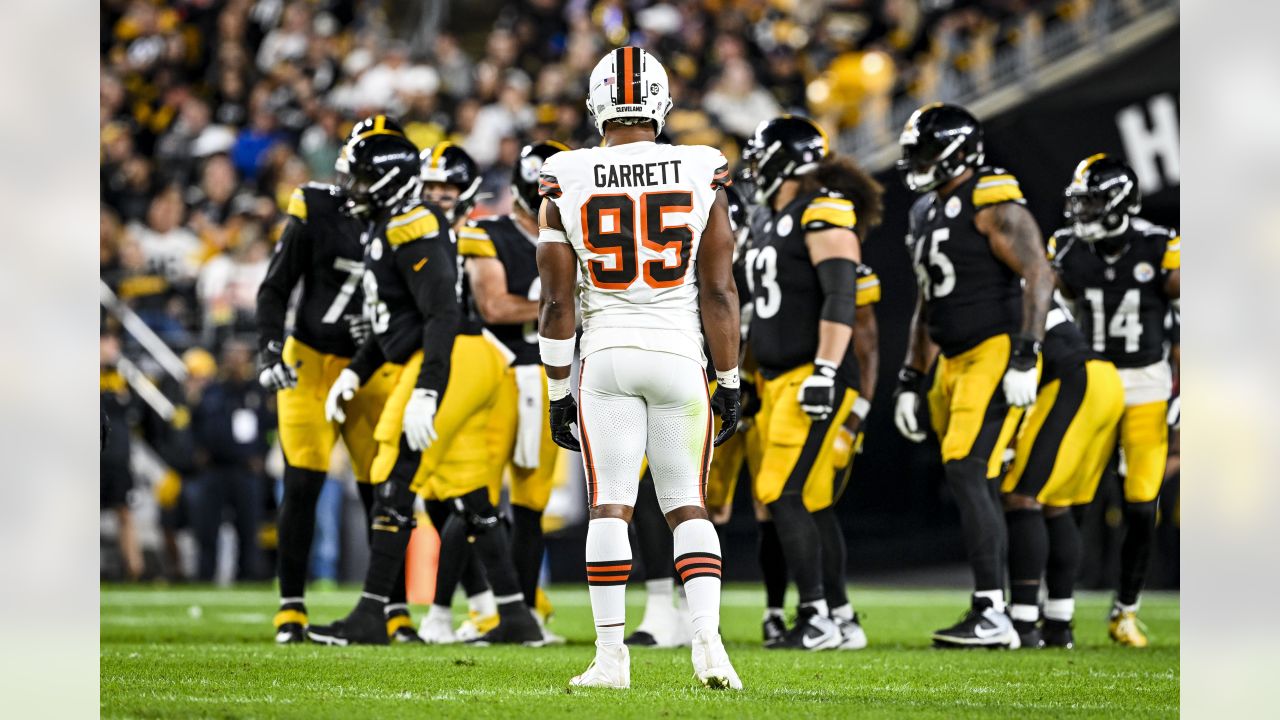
634	215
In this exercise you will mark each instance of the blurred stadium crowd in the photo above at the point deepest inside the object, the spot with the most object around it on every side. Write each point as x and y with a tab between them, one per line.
213	111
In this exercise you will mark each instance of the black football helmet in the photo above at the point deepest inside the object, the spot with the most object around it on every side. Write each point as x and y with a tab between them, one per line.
939	142
449	164
782	148
739	218
1101	198
376	173
524	176
376	125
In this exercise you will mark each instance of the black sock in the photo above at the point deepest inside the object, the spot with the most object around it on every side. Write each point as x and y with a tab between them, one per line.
1064	555
526	549
297	526
399	589
801	545
653	537
455	552
1028	553
389	531
773	565
491	543
833	557
1135	552
979	520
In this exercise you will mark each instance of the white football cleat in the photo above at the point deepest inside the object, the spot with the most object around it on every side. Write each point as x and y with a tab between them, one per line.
611	668
711	663
437	630
661	627
852	636
548	637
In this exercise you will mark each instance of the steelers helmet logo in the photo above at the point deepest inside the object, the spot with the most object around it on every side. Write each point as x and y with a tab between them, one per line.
529	167
784	226
952	207
1143	272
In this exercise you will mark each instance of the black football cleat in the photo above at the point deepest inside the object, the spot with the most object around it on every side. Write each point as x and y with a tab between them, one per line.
810	632
291	624
981	626
641	638
400	629
1058	634
516	626
291	634
361	627
1029	637
774	629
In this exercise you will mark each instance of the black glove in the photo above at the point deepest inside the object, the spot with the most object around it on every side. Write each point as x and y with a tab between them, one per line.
273	373
817	395
727	403
563	413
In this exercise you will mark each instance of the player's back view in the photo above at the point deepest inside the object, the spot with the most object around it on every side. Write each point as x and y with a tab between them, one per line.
649	231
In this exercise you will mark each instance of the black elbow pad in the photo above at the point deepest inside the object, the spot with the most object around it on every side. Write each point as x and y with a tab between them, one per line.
838	278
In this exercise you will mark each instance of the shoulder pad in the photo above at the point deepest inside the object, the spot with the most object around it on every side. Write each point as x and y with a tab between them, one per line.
994	186
1059	244
828	209
416	223
298	203
474	240
1172	259
868	291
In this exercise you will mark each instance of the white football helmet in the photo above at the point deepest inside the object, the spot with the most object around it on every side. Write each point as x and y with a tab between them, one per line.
629	83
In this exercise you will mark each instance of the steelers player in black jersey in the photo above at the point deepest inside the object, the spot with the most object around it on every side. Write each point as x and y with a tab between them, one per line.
457	473
802	268
973	243
1124	273
321	248
1062	447
411	299
500	253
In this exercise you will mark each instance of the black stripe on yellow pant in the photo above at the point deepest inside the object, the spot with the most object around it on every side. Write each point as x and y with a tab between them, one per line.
967	406
306	437
1040	443
1144	438
797	454
1089	442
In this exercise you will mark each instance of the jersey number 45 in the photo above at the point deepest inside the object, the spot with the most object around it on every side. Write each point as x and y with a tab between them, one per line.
609	228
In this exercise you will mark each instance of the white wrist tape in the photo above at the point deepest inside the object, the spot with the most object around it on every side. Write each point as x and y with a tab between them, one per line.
728	379
557	389
861	406
551	235
556	353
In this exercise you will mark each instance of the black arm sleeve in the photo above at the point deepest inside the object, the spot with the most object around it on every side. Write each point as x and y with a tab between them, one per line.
287	265
368	358
839	280
434	286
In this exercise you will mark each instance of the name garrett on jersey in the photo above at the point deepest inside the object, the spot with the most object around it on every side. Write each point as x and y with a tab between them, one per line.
636	174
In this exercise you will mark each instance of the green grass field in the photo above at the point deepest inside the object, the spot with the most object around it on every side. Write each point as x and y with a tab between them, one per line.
207	652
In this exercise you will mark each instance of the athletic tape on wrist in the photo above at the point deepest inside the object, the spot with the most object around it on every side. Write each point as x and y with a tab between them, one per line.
861	406
550	235
556	352
557	389
728	379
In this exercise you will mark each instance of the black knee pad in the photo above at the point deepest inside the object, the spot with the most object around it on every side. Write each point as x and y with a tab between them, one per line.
393	506
1140	512
479	514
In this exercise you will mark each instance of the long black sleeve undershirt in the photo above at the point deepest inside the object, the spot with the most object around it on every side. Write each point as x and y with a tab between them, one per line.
368	358
287	265
434	286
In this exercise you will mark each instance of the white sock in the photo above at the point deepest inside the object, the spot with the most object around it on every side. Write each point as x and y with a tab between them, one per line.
1060	609
844	612
771	612
608	567
483	603
819	605
697	550
995	596
1024	613
658	594
1128	608
438	612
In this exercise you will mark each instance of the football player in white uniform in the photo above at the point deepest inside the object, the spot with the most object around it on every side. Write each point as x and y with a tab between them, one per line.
650	230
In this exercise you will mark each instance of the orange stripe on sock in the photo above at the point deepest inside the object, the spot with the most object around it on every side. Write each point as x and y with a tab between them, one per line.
608	578
608	568
706	560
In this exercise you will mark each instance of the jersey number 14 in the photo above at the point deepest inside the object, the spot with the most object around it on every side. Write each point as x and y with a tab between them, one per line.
1125	323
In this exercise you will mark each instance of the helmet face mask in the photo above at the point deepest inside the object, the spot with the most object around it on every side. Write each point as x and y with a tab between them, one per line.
939	143
524	176
376	173
1101	198
629	83
782	148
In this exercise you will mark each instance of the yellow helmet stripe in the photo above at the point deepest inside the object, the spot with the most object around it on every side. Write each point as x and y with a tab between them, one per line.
436	152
